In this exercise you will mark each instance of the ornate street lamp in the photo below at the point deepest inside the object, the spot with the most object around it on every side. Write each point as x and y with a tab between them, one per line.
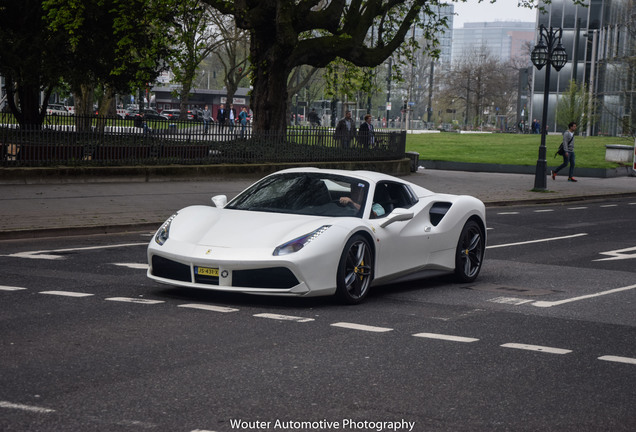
549	51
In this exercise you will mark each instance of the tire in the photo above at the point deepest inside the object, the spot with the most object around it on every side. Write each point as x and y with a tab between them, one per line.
355	270
469	255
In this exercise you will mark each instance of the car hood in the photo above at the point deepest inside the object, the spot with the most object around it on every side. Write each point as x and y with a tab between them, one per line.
212	227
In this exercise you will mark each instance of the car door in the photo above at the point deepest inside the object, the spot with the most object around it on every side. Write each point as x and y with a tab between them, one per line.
401	246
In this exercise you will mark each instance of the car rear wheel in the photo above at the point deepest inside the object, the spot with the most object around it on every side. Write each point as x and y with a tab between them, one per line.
469	255
355	270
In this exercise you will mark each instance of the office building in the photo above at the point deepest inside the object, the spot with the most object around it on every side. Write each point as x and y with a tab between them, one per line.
601	47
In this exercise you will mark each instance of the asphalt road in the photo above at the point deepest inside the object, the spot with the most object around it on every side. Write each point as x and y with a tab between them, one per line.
544	340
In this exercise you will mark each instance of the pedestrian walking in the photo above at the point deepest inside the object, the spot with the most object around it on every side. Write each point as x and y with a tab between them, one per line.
345	130
568	153
365	133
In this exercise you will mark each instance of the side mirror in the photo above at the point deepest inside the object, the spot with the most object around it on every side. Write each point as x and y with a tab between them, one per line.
219	200
397	215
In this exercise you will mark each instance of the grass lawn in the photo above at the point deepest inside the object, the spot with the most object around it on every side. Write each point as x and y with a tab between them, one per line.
509	149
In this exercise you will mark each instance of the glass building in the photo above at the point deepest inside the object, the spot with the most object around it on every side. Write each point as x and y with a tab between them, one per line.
600	41
504	40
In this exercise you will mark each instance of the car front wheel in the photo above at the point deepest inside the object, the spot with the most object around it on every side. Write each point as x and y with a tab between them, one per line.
469	255
355	270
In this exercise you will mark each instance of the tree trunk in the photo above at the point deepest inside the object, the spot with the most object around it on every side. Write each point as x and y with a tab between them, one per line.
83	107
106	108
269	93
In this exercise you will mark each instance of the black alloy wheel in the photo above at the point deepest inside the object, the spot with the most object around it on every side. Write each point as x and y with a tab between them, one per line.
469	255
355	270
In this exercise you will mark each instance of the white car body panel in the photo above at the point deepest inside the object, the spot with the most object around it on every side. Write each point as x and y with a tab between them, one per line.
240	240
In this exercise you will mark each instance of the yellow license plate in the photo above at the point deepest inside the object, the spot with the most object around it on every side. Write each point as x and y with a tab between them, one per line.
206	271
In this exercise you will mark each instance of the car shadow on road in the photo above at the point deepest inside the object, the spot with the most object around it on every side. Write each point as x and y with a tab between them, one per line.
376	294
229	299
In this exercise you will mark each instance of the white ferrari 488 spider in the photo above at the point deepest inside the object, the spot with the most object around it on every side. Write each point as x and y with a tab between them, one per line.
309	232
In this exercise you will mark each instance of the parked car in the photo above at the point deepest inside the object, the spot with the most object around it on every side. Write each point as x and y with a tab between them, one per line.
196	115
310	232
171	114
57	109
147	114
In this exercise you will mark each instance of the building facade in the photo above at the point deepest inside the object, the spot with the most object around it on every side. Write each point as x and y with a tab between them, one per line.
600	42
504	40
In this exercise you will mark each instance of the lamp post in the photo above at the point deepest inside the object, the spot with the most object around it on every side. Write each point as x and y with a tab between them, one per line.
546	53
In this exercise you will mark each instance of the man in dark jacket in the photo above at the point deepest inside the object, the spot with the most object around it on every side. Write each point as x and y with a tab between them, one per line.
221	116
365	134
345	130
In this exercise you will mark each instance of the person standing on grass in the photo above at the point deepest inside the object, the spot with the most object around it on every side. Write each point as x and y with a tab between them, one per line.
568	152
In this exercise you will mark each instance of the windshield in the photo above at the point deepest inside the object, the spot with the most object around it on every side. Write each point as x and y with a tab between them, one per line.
315	194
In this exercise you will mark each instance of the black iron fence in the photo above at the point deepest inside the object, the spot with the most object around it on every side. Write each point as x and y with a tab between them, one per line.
72	141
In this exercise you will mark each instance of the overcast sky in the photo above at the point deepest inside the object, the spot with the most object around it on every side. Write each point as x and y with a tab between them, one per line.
502	10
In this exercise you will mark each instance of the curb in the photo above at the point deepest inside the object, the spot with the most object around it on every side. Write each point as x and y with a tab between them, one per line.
624	171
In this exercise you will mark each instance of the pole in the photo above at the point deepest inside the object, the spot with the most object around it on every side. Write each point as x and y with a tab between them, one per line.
591	87
430	92
388	92
540	176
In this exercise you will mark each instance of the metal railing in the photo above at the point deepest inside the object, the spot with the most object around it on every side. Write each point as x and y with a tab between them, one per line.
116	141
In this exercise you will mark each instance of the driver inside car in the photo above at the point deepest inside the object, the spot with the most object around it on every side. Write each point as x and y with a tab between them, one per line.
357	198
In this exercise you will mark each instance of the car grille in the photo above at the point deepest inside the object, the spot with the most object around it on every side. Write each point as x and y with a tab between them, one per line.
203	279
168	269
276	277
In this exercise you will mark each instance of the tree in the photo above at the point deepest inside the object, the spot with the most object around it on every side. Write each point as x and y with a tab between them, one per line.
232	52
288	33
116	44
195	39
482	82
28	59
573	106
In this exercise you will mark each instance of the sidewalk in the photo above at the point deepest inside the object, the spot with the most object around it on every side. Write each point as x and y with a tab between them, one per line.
32	210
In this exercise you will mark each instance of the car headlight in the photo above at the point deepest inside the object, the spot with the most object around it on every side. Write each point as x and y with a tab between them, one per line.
164	232
299	242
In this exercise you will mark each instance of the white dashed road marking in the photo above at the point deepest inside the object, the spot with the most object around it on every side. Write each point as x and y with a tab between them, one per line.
30	408
10	288
67	293
617	359
134	300
361	327
283	317
135	266
211	308
536	348
449	338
